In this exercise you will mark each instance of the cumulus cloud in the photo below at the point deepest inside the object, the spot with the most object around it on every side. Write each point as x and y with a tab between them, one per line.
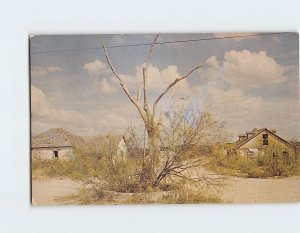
224	87
99	74
157	80
251	69
225	90
245	69
242	112
43	114
95	67
38	72
212	61
221	88
106	87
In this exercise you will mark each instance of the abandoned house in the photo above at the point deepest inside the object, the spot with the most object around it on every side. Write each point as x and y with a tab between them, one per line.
55	144
254	142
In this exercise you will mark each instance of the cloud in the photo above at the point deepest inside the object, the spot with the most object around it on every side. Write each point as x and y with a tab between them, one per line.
239	35
39	103
43	114
157	80
38	72
212	61
242	112
100	75
95	68
245	70
251	69
221	88
106	87
113	123
226	89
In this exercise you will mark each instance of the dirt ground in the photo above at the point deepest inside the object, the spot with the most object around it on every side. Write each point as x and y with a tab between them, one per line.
236	190
49	191
272	190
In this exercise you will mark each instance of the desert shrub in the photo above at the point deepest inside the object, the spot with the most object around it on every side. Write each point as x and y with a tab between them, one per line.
188	197
275	160
101	172
230	164
171	186
108	172
278	161
138	198
52	168
258	172
96	147
117	175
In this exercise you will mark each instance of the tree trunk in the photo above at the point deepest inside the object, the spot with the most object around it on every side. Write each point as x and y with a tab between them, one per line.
148	175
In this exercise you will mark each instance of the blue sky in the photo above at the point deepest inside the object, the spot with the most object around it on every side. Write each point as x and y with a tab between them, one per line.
249	82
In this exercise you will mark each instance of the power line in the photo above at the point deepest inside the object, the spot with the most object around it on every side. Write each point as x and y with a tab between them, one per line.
160	43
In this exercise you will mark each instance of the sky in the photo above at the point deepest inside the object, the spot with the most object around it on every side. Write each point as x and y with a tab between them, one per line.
247	82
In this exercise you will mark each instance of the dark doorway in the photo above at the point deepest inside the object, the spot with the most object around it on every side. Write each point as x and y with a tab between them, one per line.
55	153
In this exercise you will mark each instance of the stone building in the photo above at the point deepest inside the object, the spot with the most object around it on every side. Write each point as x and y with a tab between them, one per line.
55	144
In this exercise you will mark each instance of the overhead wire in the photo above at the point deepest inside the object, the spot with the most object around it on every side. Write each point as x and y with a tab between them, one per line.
159	43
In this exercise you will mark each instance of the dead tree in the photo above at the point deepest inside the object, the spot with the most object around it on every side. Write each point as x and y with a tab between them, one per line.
146	112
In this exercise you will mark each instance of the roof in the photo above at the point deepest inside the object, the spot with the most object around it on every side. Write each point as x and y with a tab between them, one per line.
56	138
256	132
239	143
296	144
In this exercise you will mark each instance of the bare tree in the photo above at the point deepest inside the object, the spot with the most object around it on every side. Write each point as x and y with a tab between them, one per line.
185	138
148	114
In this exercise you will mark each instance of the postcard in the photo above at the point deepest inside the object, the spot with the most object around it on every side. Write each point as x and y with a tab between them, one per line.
165	118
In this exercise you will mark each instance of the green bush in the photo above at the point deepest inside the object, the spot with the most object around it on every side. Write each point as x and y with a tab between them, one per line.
278	161
275	160
118	175
100	172
231	165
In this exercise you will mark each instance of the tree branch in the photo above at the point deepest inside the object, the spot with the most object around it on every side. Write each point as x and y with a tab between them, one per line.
145	71
122	84
138	95
173	84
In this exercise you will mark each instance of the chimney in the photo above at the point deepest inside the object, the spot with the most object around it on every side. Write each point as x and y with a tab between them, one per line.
273	131
250	134
242	137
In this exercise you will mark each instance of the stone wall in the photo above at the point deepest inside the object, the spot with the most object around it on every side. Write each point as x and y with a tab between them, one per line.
64	153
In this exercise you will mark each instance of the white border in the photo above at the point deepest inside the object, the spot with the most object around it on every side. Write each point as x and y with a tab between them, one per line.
20	18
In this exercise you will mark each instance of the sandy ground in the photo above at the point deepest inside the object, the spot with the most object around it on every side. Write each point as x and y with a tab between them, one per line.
49	191
273	190
236	190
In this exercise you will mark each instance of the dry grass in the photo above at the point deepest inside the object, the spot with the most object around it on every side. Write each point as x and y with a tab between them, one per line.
88	196
272	163
117	183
